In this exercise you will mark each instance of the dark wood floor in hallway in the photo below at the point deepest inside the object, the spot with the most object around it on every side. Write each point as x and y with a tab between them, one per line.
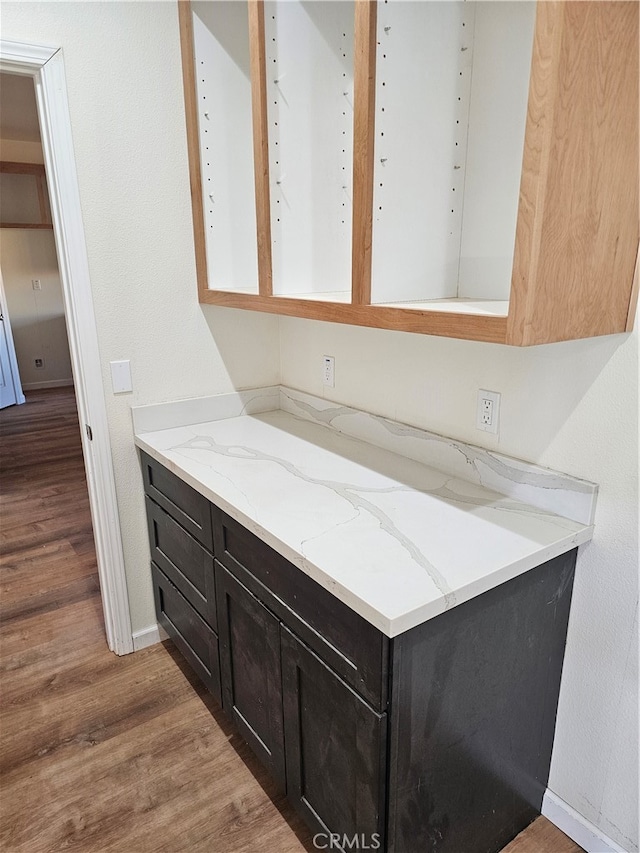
99	752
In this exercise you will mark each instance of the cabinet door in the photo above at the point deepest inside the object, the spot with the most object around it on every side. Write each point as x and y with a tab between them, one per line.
352	647
336	749
251	673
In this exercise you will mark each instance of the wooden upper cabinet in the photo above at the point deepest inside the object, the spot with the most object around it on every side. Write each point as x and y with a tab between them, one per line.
458	169
577	237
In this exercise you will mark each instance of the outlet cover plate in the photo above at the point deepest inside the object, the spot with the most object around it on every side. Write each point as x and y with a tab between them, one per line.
328	371
488	411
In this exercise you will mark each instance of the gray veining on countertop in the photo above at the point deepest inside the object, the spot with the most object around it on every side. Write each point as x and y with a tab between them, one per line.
396	539
560	493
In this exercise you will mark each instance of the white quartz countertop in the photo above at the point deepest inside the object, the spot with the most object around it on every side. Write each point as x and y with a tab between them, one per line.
395	539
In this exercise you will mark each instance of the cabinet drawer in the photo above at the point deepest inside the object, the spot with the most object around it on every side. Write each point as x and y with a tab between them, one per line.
191	634
188	507
183	560
356	650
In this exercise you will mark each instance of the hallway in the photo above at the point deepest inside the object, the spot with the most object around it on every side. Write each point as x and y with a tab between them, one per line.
47	538
101	753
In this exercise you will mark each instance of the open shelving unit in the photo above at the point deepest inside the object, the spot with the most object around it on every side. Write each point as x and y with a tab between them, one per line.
467	169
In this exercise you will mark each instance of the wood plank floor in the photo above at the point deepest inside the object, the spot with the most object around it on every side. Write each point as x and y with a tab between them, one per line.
101	753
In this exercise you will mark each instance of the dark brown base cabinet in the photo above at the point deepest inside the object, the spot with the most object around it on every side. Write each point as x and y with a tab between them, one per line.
436	741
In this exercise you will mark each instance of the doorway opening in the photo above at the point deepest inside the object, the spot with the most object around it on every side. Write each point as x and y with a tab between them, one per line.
33	304
44	66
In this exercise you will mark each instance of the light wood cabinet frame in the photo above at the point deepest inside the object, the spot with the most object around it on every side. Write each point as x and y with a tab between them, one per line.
364	99
577	233
193	146
260	145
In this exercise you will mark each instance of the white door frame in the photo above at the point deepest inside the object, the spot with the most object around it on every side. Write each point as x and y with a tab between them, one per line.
45	65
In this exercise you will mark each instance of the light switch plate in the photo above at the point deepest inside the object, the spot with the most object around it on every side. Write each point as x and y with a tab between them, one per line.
121	376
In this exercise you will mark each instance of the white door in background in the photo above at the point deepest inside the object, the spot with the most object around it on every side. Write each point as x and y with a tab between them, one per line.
7	391
10	386
7	388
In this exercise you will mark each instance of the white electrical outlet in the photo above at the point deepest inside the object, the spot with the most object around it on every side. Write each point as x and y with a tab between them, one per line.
328	371
36	284
488	411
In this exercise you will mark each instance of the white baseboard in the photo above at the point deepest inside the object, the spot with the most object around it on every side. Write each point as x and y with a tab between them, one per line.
148	637
49	383
577	827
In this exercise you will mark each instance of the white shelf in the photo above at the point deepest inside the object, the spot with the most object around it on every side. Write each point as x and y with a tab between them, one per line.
479	307
248	291
343	296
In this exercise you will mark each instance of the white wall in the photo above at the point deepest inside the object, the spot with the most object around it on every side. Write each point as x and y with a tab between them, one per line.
37	316
570	406
124	82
